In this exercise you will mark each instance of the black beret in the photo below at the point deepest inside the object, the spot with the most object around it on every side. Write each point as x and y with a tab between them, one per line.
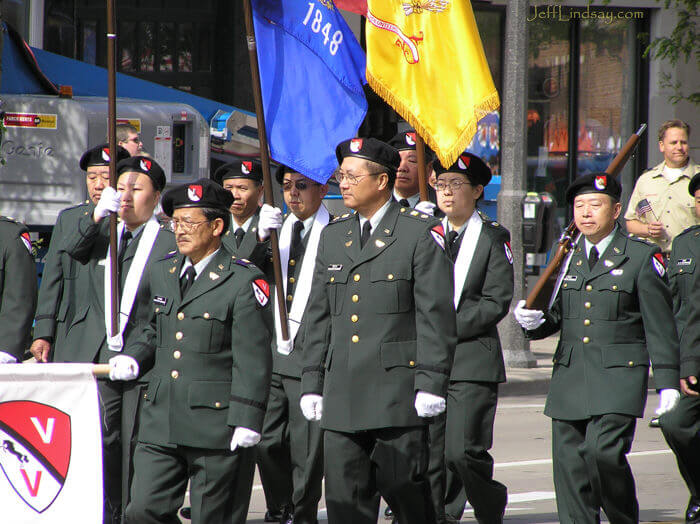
281	170
370	149
694	184
475	169
406	140
145	165
99	156
251	169
201	193
594	183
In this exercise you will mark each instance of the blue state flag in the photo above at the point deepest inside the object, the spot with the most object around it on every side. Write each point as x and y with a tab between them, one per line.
312	70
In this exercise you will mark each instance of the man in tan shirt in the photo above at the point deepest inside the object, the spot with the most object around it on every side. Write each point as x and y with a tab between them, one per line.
660	207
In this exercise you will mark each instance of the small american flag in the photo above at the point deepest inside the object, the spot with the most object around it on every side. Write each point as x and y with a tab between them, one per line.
643	206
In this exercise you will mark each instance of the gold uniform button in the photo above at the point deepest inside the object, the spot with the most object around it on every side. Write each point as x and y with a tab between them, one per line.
586	340
145	395
614	288
176	354
180	316
355	339
355	298
292	262
589	288
566	285
390	276
680	271
354	318
289	298
630	363
332	279
587	322
178	335
174	373
217	404
206	315
356	277
412	363
157	309
292	280
587	305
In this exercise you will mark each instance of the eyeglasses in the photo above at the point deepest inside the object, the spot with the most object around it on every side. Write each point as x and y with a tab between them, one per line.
301	185
186	227
455	185
352	179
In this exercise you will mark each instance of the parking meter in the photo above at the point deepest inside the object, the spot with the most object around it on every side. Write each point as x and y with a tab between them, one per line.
538	227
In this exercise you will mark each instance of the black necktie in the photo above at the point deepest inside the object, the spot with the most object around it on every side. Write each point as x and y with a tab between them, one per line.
296	245
592	257
366	231
239	236
404	202
186	280
452	245
126	236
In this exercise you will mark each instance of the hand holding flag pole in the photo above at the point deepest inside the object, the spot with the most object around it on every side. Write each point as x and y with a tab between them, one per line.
422	175
112	139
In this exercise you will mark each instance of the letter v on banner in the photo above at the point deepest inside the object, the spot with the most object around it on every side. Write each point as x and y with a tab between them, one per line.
45	434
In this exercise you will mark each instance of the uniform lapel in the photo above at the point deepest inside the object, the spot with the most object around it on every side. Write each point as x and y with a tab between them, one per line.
250	239
579	262
612	257
213	275
351	238
381	237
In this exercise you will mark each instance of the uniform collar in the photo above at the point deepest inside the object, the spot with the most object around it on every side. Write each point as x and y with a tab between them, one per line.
377	217
602	245
246	224
199	266
412	200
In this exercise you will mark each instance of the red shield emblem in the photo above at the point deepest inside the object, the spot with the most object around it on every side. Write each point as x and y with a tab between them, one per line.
356	145
438	234
464	161
194	192
411	139
659	264
246	167
145	164
35	449
105	154
27	241
600	182
261	290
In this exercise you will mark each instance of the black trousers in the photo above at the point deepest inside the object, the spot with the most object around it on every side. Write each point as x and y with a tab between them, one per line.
290	454
110	397
391	462
591	469
471	410
217	484
681	428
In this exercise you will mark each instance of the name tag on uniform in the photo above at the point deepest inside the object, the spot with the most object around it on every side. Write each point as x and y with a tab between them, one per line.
684	262
161	301
335	267
617	272
570	278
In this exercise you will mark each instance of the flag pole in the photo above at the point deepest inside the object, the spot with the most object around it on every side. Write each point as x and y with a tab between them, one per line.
265	159
422	175
112	134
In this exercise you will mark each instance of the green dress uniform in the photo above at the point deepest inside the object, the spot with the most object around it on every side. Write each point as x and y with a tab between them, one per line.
250	248
379	330
58	293
681	425
477	370
211	373
17	288
613	318
290	454
86	341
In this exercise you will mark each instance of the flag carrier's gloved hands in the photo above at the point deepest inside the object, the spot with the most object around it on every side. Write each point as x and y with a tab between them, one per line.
311	406
668	398
528	318
426	207
244	438
110	200
123	367
270	218
429	405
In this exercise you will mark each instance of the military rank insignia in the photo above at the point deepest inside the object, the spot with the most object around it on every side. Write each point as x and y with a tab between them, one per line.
438	234
658	262
509	253
261	290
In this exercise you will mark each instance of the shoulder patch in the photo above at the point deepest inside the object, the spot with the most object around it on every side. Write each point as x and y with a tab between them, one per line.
438	234
261	290
27	241
509	253
658	264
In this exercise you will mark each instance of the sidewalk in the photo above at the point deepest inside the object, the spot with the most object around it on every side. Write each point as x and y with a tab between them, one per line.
532	381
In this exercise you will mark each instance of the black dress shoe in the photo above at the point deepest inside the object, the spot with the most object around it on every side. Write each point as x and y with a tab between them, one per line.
186	513
273	516
388	514
692	513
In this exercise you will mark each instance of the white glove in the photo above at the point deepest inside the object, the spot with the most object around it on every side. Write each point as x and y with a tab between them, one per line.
668	398
244	438
426	207
123	367
285	347
528	318
6	358
270	218
110	200
311	406
429	405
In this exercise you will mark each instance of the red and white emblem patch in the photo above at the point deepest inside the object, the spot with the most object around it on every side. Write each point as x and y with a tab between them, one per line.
600	182
464	161
411	139
261	290
27	241
356	145
438	234
105	154
145	164
658	262
194	192
35	450
509	253
246	167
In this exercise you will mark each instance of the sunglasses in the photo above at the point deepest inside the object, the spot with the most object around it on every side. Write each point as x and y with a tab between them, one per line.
301	185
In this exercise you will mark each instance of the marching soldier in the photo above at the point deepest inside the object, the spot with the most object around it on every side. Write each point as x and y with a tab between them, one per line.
17	290
483	276
378	358
614	311
681	426
210	378
291	450
62	275
141	241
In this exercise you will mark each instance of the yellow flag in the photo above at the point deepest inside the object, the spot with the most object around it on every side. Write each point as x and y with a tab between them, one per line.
426	59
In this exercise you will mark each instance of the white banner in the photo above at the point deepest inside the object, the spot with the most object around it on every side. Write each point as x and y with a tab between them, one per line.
50	444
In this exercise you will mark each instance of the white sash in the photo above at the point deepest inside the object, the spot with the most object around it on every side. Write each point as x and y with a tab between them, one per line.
466	252
131	284
304	278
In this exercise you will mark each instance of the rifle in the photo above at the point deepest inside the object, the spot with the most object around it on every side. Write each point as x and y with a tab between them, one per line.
545	290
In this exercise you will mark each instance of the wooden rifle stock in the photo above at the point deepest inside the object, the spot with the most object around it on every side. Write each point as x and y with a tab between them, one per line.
546	286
